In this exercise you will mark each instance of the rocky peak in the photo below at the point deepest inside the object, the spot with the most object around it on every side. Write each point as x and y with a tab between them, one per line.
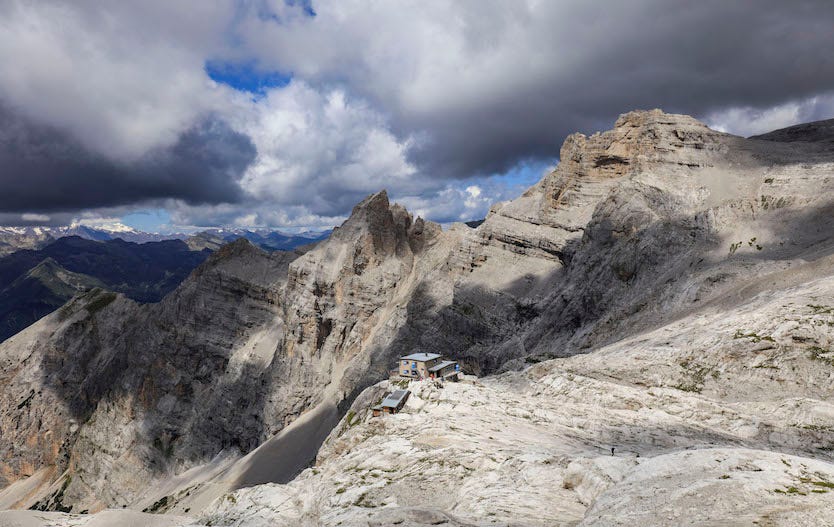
638	139
378	230
239	247
655	117
340	289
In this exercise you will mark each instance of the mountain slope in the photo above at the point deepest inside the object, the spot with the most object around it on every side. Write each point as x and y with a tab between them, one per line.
145	272
13	239
239	350
683	272
39	291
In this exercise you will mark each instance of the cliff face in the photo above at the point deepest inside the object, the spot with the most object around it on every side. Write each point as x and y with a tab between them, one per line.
638	226
108	395
696	282
634	225
110	392
344	292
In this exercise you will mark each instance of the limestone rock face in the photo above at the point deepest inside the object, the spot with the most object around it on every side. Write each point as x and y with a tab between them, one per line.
723	414
634	225
672	279
110	395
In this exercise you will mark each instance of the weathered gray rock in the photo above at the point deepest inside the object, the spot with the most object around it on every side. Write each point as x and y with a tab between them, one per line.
112	395
112	392
650	247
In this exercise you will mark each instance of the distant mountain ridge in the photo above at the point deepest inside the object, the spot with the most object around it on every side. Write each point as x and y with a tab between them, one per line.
43	267
266	239
16	238
34	283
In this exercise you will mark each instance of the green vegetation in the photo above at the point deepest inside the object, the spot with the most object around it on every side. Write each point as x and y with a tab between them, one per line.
65	311
739	334
695	376
157	506
688	387
101	300
352	419
775	203
821	310
362	501
817	484
822	355
817	428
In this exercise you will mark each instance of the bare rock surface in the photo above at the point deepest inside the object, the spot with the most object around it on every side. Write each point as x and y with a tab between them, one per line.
720	418
105	518
667	288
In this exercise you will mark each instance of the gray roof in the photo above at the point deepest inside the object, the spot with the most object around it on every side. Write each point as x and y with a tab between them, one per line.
442	365
422	357
393	400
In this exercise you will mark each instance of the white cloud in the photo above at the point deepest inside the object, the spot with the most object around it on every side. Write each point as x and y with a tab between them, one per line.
122	78
31	217
321	149
454	202
425	99
747	121
94	221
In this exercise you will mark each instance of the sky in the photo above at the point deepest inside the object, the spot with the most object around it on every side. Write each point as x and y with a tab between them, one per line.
168	116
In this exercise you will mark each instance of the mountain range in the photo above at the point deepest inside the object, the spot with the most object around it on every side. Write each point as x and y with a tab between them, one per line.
646	335
43	267
15	238
36	282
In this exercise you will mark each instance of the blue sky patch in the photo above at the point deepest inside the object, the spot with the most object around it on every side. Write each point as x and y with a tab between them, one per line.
528	172
153	220
246	76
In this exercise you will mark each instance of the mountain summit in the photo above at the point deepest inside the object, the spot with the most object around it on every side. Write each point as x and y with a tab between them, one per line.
651	324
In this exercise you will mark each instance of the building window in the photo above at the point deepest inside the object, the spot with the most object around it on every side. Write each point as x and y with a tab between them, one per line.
405	372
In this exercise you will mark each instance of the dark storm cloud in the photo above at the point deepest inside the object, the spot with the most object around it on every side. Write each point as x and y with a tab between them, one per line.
489	83
415	97
44	169
688	57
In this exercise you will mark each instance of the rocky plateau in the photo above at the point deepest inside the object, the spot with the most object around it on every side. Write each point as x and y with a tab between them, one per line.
666	292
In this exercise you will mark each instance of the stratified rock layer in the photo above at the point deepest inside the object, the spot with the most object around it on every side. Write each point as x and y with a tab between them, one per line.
659	251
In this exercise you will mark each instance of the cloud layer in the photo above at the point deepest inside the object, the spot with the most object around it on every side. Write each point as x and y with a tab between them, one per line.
46	169
109	105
